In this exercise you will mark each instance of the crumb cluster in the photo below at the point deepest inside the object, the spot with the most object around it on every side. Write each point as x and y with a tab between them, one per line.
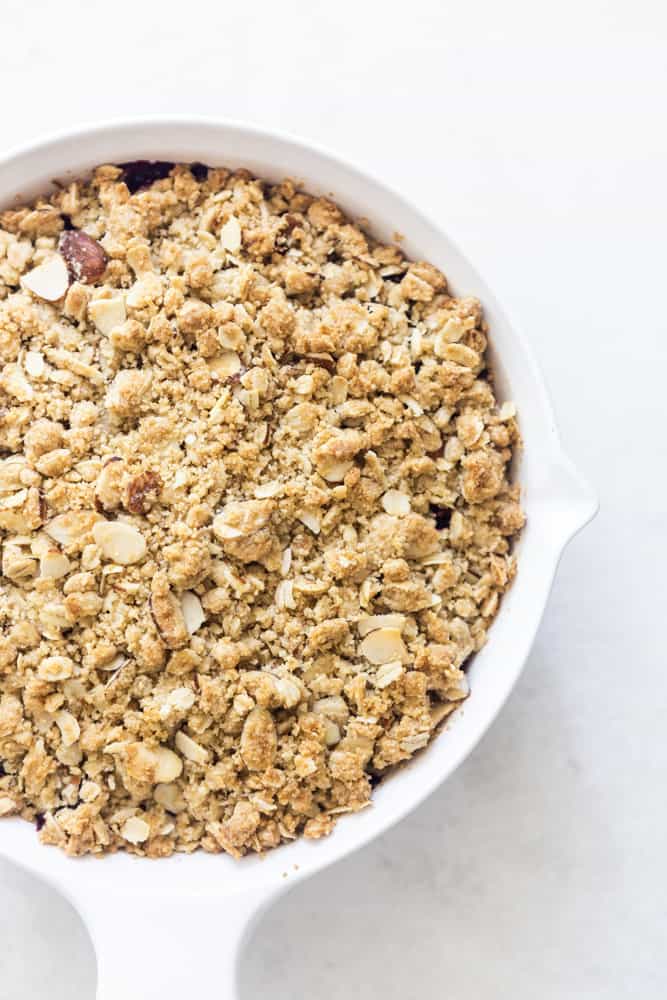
254	510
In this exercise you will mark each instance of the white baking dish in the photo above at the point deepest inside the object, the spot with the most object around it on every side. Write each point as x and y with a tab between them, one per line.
173	928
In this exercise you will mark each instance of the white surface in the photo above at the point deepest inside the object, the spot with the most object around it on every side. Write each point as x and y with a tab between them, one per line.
538	140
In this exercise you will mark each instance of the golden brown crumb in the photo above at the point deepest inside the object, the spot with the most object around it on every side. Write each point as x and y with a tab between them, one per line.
254	512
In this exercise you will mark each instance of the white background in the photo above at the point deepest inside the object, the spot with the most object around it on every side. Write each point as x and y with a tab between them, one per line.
535	134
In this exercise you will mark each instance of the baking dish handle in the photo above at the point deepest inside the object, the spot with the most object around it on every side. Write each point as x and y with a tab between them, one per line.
169	947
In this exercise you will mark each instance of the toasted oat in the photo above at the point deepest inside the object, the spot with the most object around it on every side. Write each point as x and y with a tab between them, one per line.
254	510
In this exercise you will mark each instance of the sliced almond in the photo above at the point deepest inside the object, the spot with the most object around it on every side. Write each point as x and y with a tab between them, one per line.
34	364
135	830
387	673
169	797
48	281
240	518
179	700
107	314
55	668
17	565
11	469
334	707
312	520
270	489
115	663
193	613
53	619
168	614
68	726
412	405
395	502
53	565
372	622
190	749
332	733
168	765
230	235
119	542
225	532
225	365
72	528
383	645
334	472
285	595
289	691
109	485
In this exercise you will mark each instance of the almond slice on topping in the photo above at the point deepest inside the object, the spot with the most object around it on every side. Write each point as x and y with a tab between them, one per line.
190	749
284	597
383	645
167	614
169	797
388	673
412	405
71	528
459	689
119	542
193	613
113	664
372	622
334	707
335	472
34	364
288	691
179	700
135	830
107	314
48	281
230	235
312	520
270	489
332	733
55	668
68	726
286	561
168	765
395	502
225	532
227	364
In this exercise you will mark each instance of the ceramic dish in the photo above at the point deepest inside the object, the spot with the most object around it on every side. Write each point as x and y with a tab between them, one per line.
165	930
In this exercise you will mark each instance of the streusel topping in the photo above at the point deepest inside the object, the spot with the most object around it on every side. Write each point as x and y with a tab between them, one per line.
254	510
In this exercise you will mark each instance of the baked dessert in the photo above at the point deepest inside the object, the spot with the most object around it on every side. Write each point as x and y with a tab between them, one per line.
254	508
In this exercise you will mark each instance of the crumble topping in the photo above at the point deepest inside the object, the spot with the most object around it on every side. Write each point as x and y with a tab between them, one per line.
254	510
